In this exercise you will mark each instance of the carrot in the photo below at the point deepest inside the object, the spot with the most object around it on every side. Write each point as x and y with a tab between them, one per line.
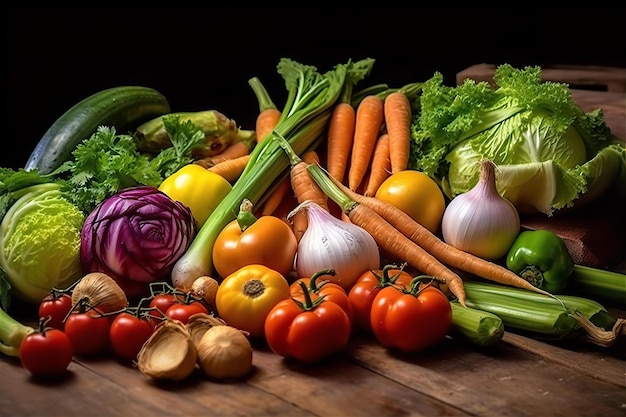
276	197
268	112
380	169
231	169
340	139
394	242
234	150
304	189
398	121
444	252
303	186
368	121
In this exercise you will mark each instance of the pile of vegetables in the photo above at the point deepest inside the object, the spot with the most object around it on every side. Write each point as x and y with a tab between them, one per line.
183	244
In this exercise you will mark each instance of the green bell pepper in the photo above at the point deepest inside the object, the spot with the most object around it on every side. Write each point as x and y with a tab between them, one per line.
541	258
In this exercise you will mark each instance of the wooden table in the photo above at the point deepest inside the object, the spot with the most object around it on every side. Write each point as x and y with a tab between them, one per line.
519	376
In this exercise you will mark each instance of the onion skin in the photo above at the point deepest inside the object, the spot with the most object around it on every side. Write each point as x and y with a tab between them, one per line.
481	221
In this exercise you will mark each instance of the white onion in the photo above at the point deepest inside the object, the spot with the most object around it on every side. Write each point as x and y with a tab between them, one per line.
331	243
481	221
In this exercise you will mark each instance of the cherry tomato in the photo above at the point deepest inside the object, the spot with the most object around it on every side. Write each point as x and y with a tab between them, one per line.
56	306
159	305
128	333
411	320
182	311
47	352
364	290
88	332
417	195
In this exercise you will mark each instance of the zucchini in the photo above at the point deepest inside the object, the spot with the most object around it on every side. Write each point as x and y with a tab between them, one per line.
123	108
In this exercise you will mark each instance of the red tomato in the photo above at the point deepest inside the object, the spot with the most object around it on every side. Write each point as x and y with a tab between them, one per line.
46	353
159	305
410	321
88	332
182	311
128	333
364	290
56	306
307	333
318	287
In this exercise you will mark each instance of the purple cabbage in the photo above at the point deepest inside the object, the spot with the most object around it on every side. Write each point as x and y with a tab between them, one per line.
136	236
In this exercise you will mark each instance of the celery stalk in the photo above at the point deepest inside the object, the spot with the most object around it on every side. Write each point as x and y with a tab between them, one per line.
545	317
599	283
478	327
12	332
304	118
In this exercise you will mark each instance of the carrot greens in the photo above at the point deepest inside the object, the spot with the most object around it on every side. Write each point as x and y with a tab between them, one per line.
310	99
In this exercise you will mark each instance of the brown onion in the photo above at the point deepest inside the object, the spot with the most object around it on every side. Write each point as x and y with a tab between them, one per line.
224	352
99	291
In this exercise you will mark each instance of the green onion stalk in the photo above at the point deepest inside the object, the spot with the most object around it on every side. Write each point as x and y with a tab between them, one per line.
304	118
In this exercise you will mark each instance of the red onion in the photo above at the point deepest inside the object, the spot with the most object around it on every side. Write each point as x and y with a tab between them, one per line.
481	221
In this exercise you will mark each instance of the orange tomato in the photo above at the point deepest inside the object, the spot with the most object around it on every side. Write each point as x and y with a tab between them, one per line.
245	297
267	240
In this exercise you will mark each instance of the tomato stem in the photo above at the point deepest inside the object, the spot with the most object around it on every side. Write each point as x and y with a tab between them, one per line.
308	303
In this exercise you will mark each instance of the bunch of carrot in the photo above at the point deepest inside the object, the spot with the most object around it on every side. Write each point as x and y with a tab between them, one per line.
370	140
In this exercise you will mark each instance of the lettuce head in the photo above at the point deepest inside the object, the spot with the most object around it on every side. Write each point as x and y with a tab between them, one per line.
40	241
549	153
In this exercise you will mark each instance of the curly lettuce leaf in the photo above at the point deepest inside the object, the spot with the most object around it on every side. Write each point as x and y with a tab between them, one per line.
532	130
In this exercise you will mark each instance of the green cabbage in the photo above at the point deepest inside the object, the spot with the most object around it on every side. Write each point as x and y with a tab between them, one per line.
40	242
549	153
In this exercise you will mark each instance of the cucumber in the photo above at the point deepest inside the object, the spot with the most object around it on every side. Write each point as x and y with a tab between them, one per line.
123	108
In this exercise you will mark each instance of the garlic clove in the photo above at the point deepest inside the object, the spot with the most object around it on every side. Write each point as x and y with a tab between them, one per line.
100	291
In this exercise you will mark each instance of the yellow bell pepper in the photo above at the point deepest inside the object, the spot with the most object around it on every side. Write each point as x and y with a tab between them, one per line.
198	188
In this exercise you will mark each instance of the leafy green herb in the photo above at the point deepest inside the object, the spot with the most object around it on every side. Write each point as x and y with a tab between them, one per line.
185	137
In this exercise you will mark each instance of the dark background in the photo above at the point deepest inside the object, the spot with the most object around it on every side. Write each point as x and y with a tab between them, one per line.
202	57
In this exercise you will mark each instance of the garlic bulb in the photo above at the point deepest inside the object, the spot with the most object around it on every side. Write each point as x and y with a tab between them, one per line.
331	243
481	221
